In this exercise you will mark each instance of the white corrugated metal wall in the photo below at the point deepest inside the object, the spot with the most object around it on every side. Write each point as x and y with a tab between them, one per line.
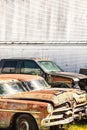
69	57
44	21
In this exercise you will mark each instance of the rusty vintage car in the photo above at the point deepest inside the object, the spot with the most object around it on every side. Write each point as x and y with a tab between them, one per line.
35	110
51	72
33	83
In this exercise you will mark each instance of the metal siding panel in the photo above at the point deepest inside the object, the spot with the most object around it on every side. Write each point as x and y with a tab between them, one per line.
70	58
43	20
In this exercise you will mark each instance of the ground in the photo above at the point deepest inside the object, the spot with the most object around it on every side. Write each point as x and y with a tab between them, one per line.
80	125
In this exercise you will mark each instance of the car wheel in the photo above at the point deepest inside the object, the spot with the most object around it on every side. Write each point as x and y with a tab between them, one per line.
25	122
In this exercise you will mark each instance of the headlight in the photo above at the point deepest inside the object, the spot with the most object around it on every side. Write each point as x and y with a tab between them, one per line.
49	108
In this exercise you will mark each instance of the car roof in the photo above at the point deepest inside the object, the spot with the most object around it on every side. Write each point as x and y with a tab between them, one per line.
24	58
7	79
22	77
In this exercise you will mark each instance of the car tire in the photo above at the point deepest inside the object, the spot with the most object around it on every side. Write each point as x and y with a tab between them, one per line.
25	122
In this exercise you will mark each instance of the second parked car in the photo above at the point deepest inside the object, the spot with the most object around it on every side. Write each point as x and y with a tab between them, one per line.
51	72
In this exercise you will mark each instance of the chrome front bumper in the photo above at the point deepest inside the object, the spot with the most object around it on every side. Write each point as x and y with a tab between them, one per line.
58	117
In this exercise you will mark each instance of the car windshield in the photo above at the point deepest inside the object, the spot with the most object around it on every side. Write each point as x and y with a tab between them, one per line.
49	66
10	88
37	84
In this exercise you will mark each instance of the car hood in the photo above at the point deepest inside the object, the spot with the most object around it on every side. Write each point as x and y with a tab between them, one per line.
69	75
54	96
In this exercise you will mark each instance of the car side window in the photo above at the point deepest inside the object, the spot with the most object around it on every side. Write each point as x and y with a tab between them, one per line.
9	67
1	90
30	67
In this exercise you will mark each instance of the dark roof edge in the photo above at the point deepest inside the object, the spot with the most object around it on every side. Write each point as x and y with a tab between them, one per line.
58	43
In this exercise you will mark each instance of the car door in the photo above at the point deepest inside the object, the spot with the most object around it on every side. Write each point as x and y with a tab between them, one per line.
29	67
